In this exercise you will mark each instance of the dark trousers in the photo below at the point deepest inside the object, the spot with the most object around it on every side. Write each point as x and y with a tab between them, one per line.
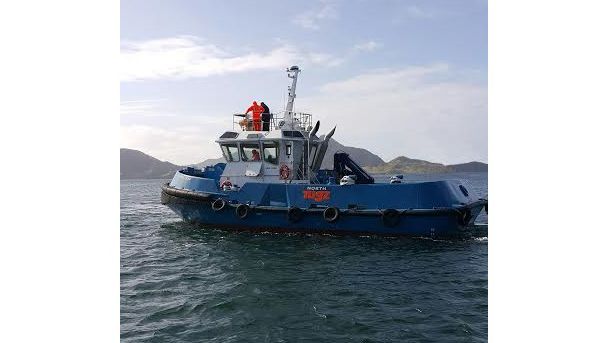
266	117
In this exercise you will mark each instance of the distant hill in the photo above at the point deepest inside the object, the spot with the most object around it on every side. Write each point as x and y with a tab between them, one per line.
208	162
137	165
363	157
406	165
468	167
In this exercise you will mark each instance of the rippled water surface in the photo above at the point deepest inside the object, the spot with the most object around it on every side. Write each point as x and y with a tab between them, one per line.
181	283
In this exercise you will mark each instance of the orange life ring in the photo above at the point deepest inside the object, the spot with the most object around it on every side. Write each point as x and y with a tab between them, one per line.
226	183
284	172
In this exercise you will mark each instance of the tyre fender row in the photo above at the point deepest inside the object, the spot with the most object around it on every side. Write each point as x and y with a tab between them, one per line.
390	217
241	210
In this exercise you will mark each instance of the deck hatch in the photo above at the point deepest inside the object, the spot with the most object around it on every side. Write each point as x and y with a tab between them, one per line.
229	134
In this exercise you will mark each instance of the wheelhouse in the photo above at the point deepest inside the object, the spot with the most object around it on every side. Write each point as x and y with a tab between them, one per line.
288	152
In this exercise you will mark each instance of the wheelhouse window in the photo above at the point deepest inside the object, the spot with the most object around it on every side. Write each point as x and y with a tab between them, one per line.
270	152
250	152
230	152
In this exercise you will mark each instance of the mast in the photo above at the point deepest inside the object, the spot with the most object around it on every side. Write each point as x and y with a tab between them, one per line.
293	73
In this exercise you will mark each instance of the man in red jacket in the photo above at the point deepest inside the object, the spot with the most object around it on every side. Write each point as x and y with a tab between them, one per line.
256	110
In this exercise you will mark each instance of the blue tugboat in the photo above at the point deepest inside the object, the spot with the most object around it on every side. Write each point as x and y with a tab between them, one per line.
272	181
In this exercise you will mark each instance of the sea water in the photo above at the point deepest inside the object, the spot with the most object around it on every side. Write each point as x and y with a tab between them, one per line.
181	283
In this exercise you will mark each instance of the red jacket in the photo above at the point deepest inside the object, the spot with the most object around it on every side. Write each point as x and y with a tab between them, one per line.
256	111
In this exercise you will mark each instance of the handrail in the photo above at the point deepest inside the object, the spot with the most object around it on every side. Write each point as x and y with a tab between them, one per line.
303	120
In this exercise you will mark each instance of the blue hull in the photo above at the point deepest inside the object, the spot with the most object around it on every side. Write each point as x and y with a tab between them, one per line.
425	209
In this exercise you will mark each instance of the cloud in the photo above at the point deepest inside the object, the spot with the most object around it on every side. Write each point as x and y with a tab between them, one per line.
187	57
417	12
431	112
408	12
311	19
144	108
367	46
187	139
181	145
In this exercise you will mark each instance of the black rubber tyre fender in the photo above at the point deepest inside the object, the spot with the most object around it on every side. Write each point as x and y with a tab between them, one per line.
294	214
465	217
219	205
390	217
331	214
242	211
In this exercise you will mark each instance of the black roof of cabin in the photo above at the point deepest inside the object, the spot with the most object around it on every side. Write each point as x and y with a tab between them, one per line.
229	134
292	134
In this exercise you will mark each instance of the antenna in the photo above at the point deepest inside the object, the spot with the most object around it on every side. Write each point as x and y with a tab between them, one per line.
293	73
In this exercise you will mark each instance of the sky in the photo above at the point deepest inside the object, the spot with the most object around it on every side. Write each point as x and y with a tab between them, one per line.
397	77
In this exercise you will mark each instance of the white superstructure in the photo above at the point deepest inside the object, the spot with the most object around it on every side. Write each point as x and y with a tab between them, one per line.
289	152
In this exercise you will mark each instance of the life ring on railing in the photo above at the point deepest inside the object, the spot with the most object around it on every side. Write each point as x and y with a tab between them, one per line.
295	214
218	205
331	214
242	211
226	185
284	172
390	217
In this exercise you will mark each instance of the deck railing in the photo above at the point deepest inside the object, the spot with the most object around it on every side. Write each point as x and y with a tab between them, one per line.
244	122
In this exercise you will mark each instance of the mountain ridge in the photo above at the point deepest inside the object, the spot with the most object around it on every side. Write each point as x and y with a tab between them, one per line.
139	165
